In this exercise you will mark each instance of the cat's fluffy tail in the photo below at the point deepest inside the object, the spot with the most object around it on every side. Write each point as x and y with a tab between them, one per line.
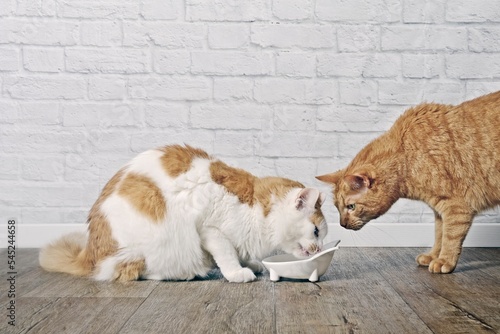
67	255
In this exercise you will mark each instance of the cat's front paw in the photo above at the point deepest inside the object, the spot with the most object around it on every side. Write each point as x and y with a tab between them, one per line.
256	266
242	275
441	266
424	259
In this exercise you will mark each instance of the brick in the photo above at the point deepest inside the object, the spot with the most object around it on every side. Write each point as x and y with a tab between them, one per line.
294	64
472	66
95	168
111	140
229	116
362	93
363	11
419	66
45	87
176	88
361	118
203	139
232	36
92	9
166	115
40	141
39	59
293	9
351	143
8	7
446	93
171	62
82	114
295	144
102	87
476	88
160	9
299	91
101	33
119	60
340	64
424	11
167	34
232	63
214	10
484	39
9	168
358	38
382	65
400	93
36	8
122	115
234	143
46	195
48	168
9	113
294	118
299	169
472	11
293	35
104	115
10	59
38	32
232	89
420	37
39	113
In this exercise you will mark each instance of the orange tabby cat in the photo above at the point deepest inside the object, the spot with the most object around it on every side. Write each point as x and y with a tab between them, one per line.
447	156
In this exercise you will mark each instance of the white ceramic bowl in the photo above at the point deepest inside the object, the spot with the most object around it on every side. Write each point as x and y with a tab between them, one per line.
287	265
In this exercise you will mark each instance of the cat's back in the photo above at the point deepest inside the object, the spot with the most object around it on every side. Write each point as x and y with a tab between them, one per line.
428	125
453	150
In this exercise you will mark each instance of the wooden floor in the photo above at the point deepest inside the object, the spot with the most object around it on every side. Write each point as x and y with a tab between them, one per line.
366	290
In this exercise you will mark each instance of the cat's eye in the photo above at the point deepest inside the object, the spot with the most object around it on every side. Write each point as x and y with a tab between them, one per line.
316	232
351	207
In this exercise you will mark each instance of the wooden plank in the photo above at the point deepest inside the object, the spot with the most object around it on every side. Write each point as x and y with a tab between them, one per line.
33	281
71	315
351	297
446	303
205	306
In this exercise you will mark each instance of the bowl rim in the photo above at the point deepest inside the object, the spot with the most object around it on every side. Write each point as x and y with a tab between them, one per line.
328	247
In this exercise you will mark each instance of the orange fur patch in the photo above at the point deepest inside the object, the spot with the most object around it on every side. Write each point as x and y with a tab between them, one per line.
268	187
144	195
101	243
317	217
129	271
235	180
177	159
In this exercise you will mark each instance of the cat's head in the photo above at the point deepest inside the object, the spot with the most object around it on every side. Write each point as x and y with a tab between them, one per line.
359	195
303	226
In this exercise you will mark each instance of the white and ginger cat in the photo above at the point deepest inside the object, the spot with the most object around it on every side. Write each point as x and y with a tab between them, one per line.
174	213
447	156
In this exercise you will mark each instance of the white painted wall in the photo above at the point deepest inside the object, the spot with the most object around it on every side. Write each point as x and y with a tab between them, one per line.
279	87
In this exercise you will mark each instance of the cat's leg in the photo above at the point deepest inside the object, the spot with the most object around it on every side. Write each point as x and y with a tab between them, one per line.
255	266
120	268
457	220
425	259
225	256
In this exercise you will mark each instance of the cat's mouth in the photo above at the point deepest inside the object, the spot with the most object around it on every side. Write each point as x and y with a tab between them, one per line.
306	252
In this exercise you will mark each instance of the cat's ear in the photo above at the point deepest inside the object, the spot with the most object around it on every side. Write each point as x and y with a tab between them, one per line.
322	198
307	198
358	182
331	178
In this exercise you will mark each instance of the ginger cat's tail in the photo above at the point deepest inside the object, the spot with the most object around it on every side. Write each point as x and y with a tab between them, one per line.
67	255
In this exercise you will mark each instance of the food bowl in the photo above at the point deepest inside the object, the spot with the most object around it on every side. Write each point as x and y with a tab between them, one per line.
311	268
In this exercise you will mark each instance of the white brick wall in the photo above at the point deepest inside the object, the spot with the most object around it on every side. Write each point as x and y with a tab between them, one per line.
284	87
